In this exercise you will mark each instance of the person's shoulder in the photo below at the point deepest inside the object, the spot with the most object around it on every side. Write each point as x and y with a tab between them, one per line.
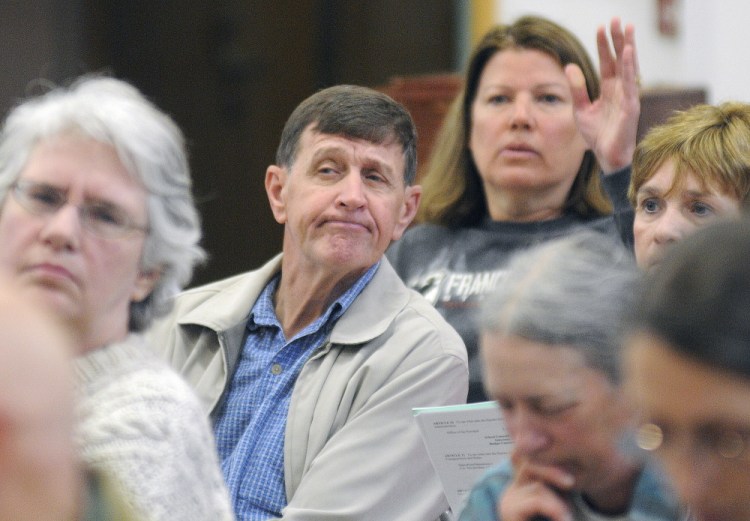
133	376
654	497
198	294
422	242
148	429
423	308
428	232
145	414
420	316
236	293
498	476
401	317
481	504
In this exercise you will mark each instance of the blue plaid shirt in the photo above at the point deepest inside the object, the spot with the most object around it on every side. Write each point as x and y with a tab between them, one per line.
250	426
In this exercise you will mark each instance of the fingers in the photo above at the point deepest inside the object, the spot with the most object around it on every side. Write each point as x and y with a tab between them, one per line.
618	36
607	62
550	476
630	80
628	61
630	42
623	38
537	491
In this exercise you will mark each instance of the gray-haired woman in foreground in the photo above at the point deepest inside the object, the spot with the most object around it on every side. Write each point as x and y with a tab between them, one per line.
551	338
98	223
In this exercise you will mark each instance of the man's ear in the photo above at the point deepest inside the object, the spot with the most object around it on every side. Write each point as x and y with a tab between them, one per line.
412	196
275	182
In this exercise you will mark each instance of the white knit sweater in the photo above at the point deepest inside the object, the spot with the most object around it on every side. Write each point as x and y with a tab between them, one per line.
141	423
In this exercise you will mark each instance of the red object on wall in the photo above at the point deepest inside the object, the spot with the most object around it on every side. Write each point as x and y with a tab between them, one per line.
427	98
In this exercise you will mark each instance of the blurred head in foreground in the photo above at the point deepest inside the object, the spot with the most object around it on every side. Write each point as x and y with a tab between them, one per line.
551	337
688	367
39	477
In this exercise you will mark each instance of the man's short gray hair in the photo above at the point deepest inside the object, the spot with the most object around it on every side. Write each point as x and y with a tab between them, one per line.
356	113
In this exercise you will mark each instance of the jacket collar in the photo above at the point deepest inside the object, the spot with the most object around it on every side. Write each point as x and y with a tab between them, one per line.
368	316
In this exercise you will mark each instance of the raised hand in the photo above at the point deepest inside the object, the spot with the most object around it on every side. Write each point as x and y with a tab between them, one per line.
609	124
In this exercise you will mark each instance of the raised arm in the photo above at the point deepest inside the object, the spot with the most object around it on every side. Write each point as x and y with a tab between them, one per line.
609	124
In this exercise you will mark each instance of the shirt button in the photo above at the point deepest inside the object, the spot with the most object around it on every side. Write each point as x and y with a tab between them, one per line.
275	369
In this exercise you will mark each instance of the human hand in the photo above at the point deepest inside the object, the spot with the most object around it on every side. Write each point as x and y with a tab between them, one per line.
609	124
536	493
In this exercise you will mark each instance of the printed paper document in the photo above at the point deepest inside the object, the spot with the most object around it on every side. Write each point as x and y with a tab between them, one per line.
463	441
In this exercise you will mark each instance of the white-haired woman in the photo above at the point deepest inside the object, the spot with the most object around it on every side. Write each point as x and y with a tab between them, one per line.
98	223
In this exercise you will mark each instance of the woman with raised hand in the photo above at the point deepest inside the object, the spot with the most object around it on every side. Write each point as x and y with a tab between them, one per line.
518	162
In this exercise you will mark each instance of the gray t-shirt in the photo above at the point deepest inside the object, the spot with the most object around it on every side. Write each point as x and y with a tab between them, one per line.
454	268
